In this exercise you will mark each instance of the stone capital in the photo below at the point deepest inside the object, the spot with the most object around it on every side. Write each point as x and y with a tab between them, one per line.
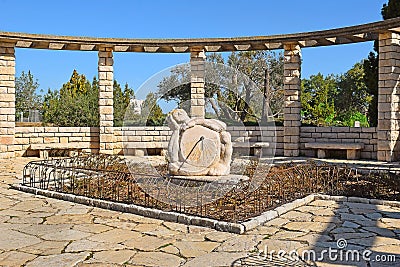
7	44
292	47
105	48
197	52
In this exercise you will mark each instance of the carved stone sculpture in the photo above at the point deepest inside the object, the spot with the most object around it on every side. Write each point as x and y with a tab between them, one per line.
198	146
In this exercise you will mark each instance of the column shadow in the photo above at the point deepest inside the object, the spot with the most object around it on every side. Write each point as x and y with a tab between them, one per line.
365	235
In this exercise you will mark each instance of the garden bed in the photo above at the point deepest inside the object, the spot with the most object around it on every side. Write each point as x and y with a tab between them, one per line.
113	180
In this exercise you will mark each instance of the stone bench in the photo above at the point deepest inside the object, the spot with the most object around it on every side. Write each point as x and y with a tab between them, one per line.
44	149
257	146
353	149
140	148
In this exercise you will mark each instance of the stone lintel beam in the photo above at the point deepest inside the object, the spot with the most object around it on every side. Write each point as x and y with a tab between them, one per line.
352	34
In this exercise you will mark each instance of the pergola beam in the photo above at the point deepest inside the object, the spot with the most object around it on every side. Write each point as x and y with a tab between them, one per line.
353	34
56	46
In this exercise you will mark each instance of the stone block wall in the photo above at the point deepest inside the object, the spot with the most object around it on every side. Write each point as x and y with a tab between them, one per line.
140	136
389	97
148	136
24	136
197	83
259	134
292	84
106	80
365	135
7	99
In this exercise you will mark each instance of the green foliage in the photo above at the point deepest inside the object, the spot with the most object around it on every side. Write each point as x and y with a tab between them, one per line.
231	101
76	104
77	85
371	82
26	97
265	69
177	87
151	113
317	99
336	100
391	9
350	117
121	102
352	94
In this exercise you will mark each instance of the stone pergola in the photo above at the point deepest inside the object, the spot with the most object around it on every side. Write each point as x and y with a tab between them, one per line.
387	32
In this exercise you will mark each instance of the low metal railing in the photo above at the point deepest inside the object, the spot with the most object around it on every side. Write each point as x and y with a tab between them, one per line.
112	178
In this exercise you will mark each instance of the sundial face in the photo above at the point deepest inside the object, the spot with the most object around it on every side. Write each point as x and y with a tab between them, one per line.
201	146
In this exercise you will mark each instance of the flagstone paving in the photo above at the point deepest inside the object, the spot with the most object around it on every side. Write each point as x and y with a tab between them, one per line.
40	231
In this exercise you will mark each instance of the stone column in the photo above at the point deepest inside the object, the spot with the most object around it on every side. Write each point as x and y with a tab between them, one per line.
197	82
7	99
292	83
106	79
389	97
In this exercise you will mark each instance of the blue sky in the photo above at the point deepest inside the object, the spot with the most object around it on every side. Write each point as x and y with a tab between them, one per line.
177	19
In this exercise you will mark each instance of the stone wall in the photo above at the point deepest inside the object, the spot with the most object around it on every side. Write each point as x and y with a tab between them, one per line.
151	135
258	134
366	135
138	136
106	77
197	83
7	99
24	136
389	97
142	136
292	89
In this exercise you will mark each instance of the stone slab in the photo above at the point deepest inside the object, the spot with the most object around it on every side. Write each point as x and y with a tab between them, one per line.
233	178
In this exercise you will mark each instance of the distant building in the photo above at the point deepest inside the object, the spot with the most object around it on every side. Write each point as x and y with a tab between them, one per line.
137	105
32	116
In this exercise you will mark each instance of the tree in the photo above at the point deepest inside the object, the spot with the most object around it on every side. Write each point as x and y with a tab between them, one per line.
227	90
370	66
51	106
317	99
76	104
336	99
391	9
26	97
353	98
176	86
352	92
151	113
388	11
265	69
121	102
77	85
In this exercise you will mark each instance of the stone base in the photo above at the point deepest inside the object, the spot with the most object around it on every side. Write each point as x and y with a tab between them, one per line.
234	178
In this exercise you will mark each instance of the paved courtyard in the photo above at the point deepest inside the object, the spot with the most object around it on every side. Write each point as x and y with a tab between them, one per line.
40	231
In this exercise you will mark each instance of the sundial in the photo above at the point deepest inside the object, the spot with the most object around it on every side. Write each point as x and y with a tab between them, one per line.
198	147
